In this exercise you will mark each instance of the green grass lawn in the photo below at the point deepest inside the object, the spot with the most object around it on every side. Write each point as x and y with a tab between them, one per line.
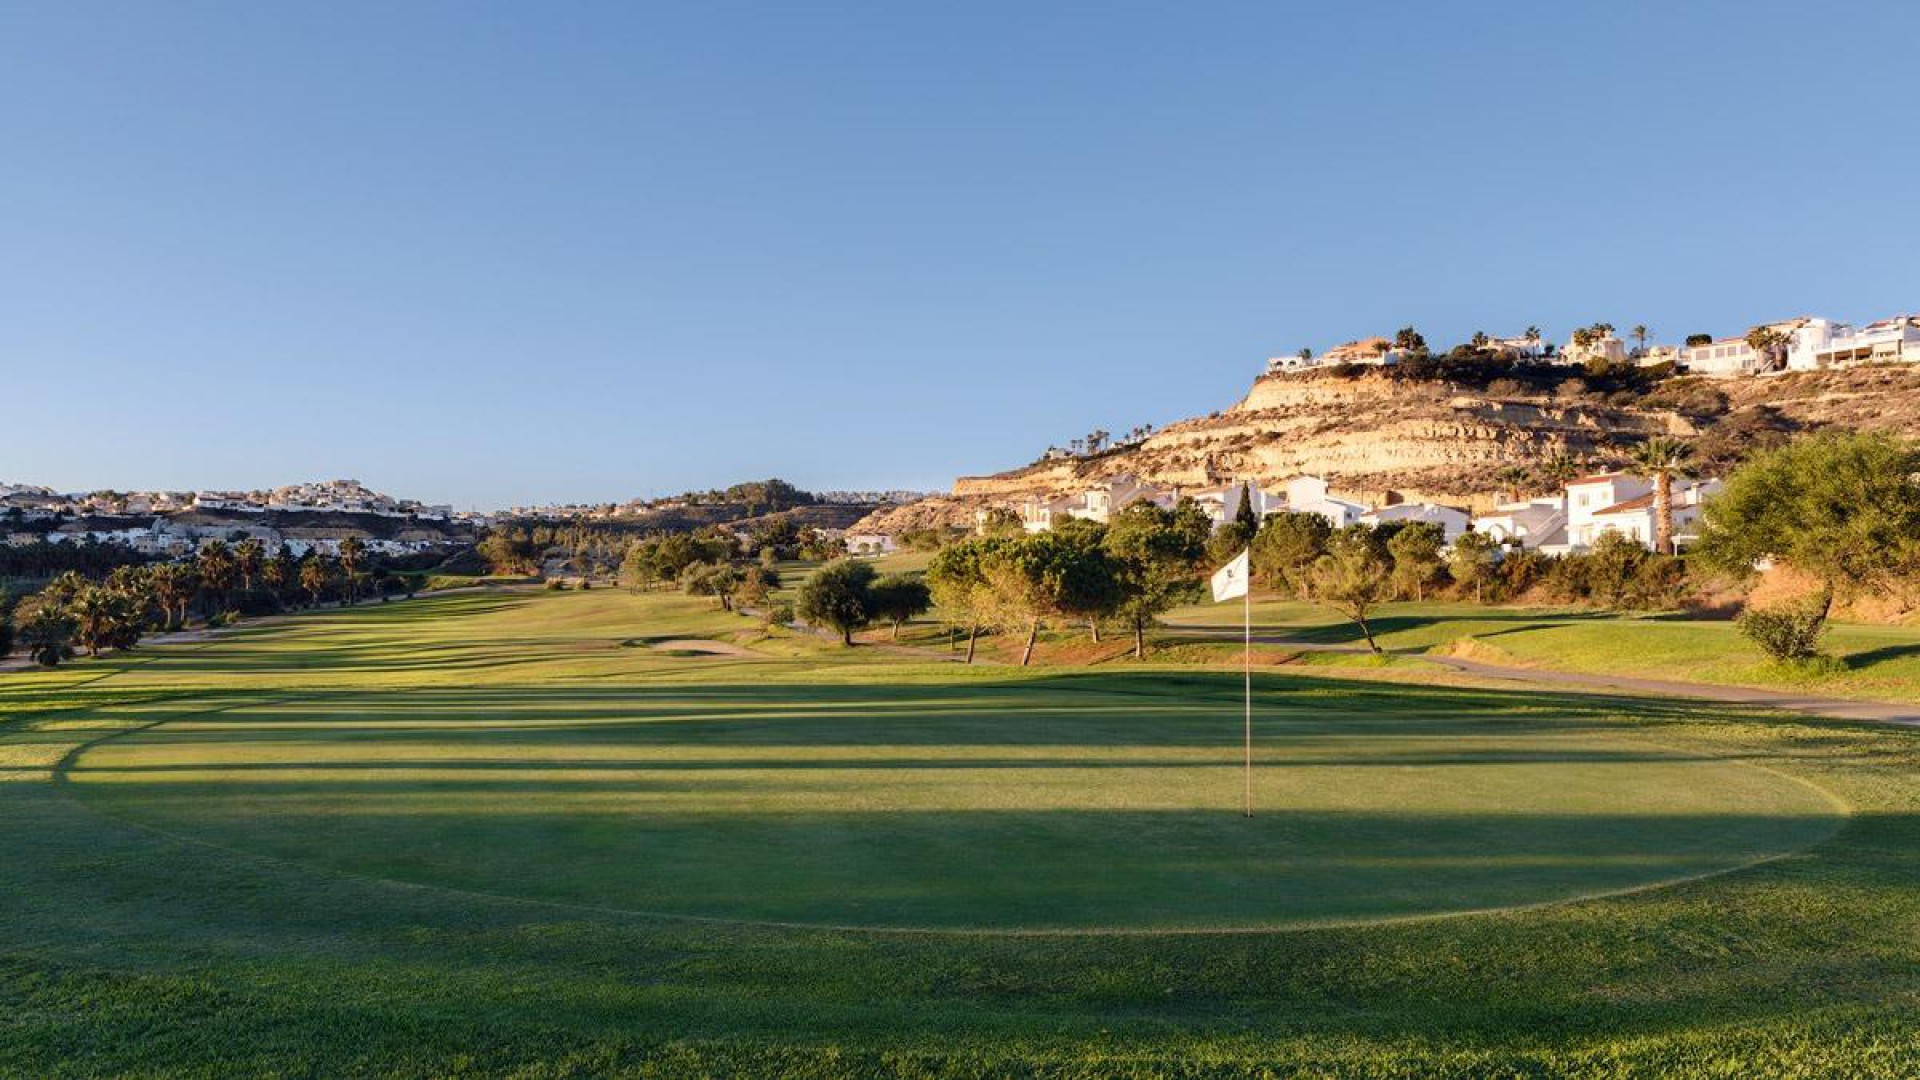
502	833
1877	662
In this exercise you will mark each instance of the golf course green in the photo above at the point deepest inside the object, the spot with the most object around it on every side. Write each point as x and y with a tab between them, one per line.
503	832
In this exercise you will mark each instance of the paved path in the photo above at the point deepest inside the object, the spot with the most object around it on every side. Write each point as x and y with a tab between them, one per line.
1878	712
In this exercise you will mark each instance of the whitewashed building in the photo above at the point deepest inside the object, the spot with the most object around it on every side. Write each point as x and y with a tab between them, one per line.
1308	495
1532	523
1822	343
1452	520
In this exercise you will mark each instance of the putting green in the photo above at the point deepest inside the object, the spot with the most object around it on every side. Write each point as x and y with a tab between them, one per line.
1078	803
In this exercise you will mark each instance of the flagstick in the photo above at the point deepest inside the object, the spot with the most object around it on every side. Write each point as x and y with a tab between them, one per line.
1246	671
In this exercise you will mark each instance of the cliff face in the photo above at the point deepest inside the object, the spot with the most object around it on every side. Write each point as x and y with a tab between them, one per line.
1372	436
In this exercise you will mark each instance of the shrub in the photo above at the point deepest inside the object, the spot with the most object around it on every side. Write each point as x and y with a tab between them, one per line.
1788	632
585	584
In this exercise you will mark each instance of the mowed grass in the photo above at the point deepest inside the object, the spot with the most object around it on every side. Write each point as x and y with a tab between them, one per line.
1876	662
501	833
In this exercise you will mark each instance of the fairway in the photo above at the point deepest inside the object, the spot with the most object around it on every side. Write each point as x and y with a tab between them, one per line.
1108	803
916	797
599	833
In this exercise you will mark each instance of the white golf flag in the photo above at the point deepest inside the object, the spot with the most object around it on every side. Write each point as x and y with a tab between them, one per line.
1230	581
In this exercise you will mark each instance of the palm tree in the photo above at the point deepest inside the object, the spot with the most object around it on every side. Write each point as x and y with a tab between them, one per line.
1658	459
1556	471
1640	334
1512	480
247	557
1771	344
352	549
215	564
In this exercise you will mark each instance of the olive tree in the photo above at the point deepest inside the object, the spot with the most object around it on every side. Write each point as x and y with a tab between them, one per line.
1840	508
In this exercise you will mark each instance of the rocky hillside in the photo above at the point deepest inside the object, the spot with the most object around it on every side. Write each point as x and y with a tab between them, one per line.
1375	436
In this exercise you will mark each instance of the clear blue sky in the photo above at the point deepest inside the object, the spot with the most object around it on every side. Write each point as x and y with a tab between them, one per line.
494	253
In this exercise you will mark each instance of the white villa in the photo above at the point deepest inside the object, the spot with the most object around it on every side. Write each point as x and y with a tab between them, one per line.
1533	523
1609	348
1813	344
1452	521
1308	495
870	544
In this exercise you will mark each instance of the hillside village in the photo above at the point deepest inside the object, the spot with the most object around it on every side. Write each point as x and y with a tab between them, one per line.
1567	521
302	517
1807	343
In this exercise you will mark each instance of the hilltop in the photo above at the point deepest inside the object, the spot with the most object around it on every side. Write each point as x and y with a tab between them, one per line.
1377	435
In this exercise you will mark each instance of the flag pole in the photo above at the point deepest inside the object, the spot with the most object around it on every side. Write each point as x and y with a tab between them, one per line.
1246	671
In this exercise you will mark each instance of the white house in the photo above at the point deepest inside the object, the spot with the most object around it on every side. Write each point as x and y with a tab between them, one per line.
1452	521
1515	348
1724	357
1822	343
869	544
1039	515
1222	503
1100	503
1592	495
1635	518
1608	348
1534	523
1308	495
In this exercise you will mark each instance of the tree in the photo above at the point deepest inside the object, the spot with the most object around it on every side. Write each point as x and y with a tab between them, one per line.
838	595
281	572
104	618
1228	541
1771	344
1245	515
1513	479
1694	341
48	636
1409	339
753	586
898	598
1047	576
999	521
717	580
1287	546
353	552
1471	560
316	577
248	559
173	586
1088	589
1841	508
1639	333
1417	562
216	569
638	570
9	604
1156	555
1558	470
1353	576
1658	459
956	579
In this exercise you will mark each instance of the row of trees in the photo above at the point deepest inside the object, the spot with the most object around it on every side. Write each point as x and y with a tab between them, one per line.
76	612
847	595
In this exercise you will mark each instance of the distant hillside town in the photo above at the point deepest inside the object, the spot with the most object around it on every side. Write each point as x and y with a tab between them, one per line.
1807	343
302	517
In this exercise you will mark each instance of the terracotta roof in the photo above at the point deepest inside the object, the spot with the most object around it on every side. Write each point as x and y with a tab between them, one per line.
1629	506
